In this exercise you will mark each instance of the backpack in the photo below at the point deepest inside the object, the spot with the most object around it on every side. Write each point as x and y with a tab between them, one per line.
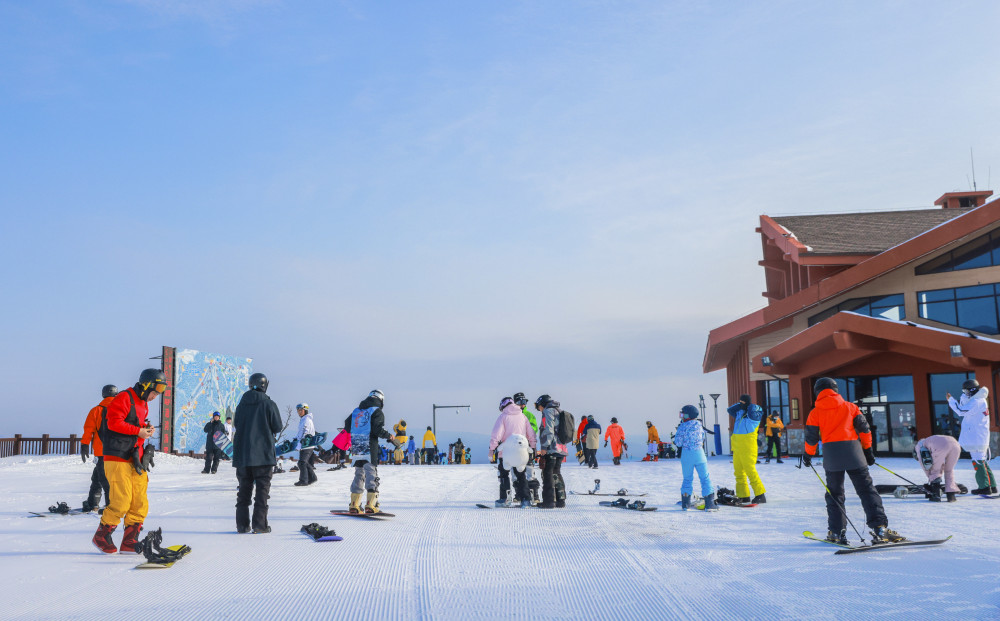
565	427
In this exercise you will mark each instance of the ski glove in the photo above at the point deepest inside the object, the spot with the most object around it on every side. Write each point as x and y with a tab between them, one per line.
84	452
147	457
870	456
807	460
605	444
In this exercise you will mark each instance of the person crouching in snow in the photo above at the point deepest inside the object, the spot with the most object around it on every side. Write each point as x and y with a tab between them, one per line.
938	455
690	437
847	447
975	434
510	424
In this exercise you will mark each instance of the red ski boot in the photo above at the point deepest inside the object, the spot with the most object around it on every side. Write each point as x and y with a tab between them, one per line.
102	538
130	539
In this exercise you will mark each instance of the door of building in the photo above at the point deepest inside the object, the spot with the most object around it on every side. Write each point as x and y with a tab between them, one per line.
878	419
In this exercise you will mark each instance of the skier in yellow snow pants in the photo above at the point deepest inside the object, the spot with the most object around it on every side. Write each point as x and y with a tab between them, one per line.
746	418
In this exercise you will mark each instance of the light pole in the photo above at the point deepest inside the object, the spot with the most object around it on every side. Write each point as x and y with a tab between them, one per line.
435	408
718	432
701	406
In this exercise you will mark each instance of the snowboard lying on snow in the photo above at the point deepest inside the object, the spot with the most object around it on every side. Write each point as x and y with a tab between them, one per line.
621	503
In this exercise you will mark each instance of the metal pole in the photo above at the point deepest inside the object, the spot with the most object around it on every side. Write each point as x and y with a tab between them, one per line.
718	430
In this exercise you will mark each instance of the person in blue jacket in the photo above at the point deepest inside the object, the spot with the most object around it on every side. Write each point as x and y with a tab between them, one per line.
746	418
411	450
689	439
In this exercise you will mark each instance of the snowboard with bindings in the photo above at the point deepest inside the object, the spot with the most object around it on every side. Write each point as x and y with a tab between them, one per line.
221	440
168	564
370	516
310	441
635	505
61	508
319	533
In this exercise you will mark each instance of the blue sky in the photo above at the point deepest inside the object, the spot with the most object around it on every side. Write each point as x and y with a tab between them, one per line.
450	201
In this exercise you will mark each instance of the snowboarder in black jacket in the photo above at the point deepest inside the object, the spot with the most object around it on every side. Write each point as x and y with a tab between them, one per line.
257	421
367	424
212	452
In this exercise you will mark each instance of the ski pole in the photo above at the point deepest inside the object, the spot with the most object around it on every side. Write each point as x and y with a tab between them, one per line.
902	477
840	504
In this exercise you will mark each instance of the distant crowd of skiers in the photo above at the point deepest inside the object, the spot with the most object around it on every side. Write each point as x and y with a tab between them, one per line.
117	429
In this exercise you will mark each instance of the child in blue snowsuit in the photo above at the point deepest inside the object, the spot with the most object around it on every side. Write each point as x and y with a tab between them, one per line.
689	438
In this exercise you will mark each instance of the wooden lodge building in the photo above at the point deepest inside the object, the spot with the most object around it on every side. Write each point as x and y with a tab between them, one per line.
900	307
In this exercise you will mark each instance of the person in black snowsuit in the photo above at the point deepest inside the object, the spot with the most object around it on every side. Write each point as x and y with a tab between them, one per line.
367	424
213	453
257	422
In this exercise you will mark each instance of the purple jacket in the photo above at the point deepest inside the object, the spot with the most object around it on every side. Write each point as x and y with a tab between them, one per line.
512	420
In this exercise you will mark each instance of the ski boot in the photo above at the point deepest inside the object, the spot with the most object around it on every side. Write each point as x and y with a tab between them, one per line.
371	503
743	501
710	503
759	499
355	506
102	538
934	494
130	539
883	534
685	501
837	538
951	496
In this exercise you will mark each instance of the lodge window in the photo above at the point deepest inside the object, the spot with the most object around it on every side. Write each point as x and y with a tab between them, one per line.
885	306
941	384
983	251
776	399
972	308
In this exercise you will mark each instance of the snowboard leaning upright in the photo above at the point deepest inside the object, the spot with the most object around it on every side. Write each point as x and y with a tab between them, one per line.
221	440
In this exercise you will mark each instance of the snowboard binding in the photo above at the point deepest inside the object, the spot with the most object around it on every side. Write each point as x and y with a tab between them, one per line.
621	502
317	531
61	508
150	548
637	505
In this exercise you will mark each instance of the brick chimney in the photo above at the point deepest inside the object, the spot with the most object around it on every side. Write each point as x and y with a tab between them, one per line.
951	200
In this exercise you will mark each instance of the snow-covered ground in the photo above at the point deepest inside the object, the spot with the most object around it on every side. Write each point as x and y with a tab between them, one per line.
442	558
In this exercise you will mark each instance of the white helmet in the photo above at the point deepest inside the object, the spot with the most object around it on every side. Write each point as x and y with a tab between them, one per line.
378	395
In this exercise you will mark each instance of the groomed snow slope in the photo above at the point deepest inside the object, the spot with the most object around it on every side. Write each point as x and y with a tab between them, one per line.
442	558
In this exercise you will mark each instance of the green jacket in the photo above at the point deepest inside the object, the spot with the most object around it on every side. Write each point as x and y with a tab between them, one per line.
531	419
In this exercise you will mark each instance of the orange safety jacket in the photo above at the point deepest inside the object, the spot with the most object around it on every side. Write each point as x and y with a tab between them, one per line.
654	436
93	424
842	429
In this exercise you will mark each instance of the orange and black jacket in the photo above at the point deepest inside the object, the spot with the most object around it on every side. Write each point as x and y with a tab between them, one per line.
120	432
92	426
842	429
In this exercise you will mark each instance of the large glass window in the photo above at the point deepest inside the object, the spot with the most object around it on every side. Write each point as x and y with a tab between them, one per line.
945	422
972	308
887	403
983	251
776	399
885	306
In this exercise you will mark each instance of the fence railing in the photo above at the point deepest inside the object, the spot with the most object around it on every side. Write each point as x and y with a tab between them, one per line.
45	445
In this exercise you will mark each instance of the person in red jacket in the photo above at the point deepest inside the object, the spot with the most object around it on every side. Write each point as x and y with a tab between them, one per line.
90	443
847	447
123	434
581	441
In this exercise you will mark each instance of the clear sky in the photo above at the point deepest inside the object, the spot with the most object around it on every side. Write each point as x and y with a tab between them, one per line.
448	201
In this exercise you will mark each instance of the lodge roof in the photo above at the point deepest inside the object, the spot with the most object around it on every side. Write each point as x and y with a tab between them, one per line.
863	233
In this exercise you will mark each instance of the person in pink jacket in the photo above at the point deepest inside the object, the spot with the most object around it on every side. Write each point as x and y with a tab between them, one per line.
512	422
938	455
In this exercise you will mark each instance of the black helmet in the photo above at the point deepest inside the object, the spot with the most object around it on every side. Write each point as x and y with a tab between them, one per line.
109	391
520	399
258	382
823	383
689	412
150	380
542	401
970	387
402	423
614	420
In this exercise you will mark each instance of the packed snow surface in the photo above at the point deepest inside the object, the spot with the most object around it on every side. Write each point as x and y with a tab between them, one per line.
442	558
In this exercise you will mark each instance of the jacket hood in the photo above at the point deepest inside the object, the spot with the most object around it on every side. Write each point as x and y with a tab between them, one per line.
828	399
553	404
369	402
512	410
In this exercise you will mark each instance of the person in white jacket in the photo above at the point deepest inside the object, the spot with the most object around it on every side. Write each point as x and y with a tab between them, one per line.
513	435
975	434
307	473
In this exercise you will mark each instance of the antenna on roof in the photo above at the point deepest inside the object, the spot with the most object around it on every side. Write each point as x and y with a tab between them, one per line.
973	160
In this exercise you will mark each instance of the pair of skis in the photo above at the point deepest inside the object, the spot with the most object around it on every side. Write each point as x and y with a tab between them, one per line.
851	549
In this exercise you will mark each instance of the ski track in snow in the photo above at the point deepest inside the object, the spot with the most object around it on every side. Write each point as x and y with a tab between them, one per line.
443	558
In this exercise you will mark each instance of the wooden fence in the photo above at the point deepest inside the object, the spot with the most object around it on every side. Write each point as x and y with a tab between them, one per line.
44	445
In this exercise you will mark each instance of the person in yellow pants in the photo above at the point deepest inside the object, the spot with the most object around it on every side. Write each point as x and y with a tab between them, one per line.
746	418
123	432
